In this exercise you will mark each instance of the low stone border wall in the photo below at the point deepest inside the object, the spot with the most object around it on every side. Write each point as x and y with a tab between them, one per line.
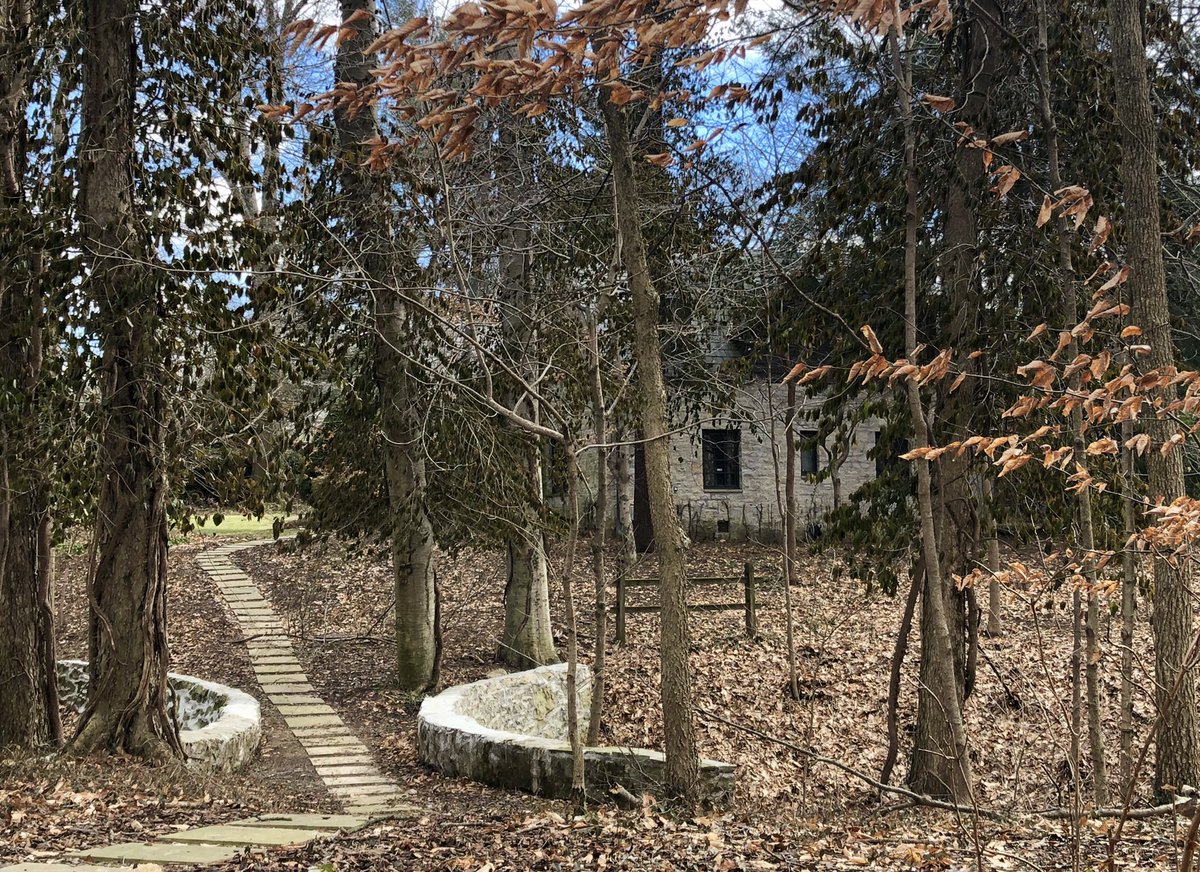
471	731
218	725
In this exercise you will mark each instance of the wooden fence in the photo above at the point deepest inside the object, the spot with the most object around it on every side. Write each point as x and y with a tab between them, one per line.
747	605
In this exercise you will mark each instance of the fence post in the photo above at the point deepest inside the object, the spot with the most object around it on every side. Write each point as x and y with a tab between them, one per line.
751	615
621	607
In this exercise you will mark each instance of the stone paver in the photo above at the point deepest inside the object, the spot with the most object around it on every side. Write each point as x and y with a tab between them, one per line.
306	709
379	791
244	836
160	852
343	769
400	810
315	731
289	688
296	699
331	762
320	754
285	679
313	721
332	822
340	758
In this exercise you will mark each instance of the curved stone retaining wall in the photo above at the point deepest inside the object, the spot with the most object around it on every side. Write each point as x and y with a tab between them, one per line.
511	731
218	725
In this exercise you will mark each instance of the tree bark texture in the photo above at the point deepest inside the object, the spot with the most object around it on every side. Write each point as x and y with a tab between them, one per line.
680	745
979	48
127	706
622	473
29	715
599	522
940	764
995	621
1177	740
979	45
789	535
368	210
528	638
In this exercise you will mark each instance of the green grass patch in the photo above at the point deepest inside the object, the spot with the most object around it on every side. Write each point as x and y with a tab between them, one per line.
235	525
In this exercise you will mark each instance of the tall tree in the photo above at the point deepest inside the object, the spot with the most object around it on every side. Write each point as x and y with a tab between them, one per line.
528	638
980	45
1177	738
380	264
28	689
127	703
678	726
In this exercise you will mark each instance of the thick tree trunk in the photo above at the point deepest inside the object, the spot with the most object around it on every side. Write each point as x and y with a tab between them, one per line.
955	521
127	706
980	46
940	766
1177	740
418	642
528	638
28	686
680	745
400	415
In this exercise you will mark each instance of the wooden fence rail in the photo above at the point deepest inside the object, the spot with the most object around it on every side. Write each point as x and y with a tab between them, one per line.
748	605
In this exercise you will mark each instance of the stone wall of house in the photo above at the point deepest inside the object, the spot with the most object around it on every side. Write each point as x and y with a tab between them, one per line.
752	511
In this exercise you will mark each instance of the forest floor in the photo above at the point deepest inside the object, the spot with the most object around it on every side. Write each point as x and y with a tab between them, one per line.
789	812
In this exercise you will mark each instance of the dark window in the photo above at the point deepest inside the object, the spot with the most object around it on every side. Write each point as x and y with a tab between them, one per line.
809	464
722	459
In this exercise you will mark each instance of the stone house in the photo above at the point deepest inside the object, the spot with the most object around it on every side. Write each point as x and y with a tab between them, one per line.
728	467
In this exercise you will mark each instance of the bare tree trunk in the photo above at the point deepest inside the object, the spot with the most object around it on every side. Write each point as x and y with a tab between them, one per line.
1085	625
574	731
599	523
680	746
995	595
400	414
1129	584
836	458
1178	737
28	685
1076	693
527	639
898	651
1095	725
127	707
622	462
789	534
528	636
954	507
941	765
414	575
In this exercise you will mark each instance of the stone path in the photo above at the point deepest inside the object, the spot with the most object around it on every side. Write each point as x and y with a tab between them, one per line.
342	761
204	845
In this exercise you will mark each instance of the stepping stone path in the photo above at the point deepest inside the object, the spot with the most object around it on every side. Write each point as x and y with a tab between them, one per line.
342	761
206	845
